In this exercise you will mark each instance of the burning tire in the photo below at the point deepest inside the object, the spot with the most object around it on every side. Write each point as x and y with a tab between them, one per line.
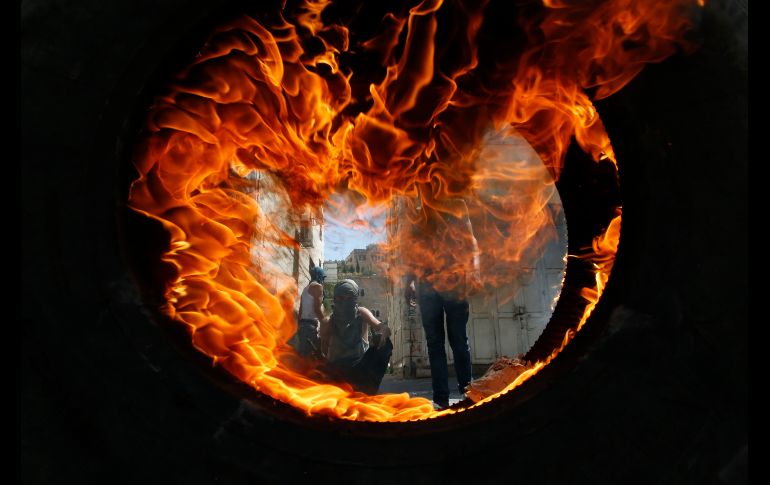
634	395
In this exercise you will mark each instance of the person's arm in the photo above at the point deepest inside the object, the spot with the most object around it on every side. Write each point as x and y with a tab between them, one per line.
474	279
410	293
317	291
324	333
376	325
475	276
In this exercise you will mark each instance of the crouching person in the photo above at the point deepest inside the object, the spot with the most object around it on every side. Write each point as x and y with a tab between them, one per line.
345	340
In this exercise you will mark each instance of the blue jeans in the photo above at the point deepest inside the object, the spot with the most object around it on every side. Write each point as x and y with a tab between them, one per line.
434	306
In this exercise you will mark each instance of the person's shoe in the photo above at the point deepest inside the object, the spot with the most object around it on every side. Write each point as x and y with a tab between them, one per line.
439	405
462	404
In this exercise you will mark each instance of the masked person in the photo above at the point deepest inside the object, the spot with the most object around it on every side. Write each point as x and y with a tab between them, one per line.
345	340
311	314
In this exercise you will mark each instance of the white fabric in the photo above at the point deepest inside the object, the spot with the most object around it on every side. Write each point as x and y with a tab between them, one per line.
307	305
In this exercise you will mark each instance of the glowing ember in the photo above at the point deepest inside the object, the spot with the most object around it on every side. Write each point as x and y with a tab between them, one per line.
256	98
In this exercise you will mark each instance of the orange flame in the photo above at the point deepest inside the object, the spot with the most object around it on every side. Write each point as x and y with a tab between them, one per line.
255	99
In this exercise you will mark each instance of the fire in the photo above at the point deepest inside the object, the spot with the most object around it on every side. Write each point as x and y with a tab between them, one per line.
602	257
277	98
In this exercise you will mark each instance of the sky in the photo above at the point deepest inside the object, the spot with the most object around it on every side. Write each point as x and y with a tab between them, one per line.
350	223
339	241
349	226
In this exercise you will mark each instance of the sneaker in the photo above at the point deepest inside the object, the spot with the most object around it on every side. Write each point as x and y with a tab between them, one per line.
438	406
462	404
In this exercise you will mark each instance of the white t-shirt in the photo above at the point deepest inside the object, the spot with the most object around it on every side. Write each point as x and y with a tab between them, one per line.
307	304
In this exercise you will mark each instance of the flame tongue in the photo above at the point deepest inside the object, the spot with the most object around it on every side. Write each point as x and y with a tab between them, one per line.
257	99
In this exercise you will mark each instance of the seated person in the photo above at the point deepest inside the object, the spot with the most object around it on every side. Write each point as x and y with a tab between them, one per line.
345	341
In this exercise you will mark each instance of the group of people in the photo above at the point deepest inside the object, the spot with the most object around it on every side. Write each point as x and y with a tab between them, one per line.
342	338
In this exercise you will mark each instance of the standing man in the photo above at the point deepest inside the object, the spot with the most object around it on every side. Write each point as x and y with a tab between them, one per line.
449	271
311	314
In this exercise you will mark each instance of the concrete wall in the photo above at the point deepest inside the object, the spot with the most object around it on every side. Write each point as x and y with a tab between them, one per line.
374	294
504	320
284	266
410	355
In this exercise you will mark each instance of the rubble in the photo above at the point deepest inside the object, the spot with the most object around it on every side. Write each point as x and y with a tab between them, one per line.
501	373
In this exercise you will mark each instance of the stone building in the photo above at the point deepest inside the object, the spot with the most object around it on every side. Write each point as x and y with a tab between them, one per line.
365	261
283	265
410	354
373	285
331	268
373	293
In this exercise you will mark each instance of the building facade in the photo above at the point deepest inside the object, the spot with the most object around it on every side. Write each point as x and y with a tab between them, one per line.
367	261
331	269
373	285
283	265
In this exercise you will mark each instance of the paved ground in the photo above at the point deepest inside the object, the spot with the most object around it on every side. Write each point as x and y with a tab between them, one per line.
420	387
